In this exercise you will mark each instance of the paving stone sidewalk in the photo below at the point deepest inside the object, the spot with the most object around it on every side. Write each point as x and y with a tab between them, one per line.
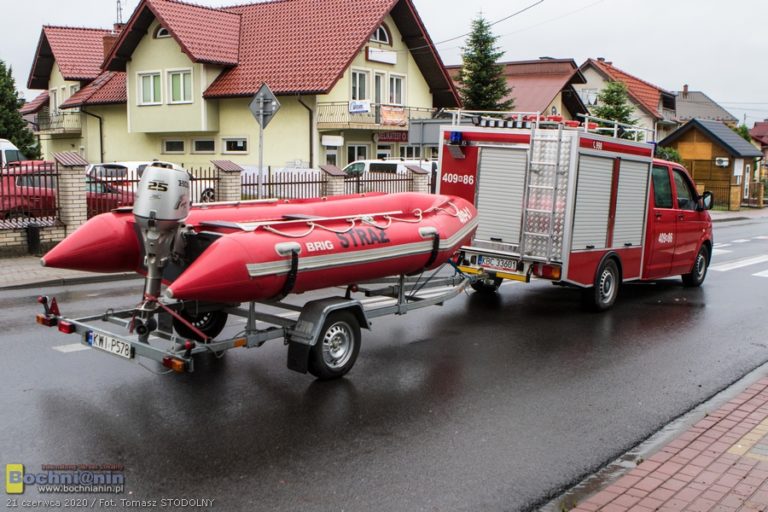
27	271
720	464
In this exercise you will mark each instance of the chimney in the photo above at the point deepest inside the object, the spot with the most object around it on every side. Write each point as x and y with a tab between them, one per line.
111	38
601	59
685	91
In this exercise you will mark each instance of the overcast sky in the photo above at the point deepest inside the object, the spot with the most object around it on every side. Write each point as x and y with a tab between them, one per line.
714	46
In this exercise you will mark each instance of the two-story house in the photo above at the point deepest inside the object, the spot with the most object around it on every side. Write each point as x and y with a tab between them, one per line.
66	60
177	83
654	107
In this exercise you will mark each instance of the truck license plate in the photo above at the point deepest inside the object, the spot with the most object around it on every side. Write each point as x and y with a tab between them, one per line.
109	344
498	263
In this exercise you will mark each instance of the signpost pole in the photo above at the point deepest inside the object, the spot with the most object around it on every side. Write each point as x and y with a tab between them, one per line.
261	146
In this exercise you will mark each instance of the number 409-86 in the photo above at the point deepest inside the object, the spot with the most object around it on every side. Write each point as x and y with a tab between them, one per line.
464	179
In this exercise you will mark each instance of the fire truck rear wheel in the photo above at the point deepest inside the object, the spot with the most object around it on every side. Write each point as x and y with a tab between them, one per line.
603	294
488	286
336	349
211	323
699	271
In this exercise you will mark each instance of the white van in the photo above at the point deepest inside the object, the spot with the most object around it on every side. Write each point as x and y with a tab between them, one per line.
386	166
9	153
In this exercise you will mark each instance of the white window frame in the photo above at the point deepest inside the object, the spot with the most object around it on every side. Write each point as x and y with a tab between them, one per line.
413	149
53	101
162	32
203	139
376	39
224	146
358	145
174	139
140	88
394	76
352	82
169	77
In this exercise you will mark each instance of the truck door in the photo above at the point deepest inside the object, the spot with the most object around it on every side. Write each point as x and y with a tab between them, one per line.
660	247
688	227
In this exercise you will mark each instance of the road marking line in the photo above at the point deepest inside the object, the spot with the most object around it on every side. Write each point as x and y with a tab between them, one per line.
764	273
72	347
717	246
716	251
760	237
724	267
739	241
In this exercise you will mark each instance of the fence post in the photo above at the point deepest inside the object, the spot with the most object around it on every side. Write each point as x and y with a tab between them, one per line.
229	187
71	195
419	179
334	180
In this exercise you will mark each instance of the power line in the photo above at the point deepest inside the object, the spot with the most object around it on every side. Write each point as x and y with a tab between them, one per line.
505	18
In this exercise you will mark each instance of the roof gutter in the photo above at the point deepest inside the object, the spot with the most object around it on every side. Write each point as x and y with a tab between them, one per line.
101	132
311	131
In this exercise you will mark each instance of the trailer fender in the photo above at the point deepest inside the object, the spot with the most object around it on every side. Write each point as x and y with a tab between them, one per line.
306	332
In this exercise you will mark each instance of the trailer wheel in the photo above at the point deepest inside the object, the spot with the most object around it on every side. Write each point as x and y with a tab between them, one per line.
336	350
487	286
699	270
606	288
210	322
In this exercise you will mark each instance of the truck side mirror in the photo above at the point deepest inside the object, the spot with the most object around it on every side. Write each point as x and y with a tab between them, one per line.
707	200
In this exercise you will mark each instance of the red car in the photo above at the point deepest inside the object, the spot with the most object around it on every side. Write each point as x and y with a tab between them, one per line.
29	191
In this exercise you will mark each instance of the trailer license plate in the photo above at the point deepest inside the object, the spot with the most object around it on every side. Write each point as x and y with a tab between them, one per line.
498	263
109	344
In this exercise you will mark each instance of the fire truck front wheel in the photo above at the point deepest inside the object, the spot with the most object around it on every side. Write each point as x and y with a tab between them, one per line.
603	294
699	270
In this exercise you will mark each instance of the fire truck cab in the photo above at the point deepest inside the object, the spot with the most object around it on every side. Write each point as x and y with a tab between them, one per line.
564	201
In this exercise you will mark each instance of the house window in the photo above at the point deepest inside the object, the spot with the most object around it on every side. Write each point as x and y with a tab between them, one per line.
149	89
357	152
359	85
410	152
589	97
396	89
54	104
237	145
203	146
180	85
381	35
173	146
162	32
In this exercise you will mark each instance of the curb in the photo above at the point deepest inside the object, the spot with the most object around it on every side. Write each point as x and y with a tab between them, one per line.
730	219
71	281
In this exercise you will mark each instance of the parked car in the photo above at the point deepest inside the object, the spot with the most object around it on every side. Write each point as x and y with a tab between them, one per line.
28	191
128	174
9	153
359	167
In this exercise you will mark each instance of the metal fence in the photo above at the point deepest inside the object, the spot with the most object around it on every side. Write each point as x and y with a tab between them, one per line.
110	187
721	195
378	182
28	194
284	185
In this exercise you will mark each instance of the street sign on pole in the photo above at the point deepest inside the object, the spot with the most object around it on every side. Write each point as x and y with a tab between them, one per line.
263	106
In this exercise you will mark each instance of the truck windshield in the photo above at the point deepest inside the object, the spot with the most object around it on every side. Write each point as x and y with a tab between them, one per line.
14	155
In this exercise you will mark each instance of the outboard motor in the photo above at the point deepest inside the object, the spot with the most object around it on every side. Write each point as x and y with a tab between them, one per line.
161	205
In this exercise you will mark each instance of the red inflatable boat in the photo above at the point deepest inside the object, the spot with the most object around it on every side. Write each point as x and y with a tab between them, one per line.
245	252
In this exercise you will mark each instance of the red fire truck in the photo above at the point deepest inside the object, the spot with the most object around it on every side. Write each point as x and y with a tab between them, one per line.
564	201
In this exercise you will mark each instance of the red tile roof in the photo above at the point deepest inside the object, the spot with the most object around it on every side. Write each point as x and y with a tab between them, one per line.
296	46
34	106
760	132
107	89
78	52
644	93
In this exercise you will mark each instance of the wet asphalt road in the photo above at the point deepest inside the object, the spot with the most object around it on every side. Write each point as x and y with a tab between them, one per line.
483	404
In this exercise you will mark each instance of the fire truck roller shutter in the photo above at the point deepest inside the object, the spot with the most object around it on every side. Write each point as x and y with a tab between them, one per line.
631	201
500	192
593	202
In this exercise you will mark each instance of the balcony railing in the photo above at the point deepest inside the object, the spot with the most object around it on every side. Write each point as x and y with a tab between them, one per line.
368	116
61	122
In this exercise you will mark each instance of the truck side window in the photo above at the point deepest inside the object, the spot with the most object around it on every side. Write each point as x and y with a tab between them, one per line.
686	197
662	189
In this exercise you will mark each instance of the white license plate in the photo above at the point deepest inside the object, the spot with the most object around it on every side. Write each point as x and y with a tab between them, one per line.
109	344
498	263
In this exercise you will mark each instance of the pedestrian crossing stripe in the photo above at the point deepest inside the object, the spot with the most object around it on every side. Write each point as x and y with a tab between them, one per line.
740	241
732	265
764	273
717	246
717	251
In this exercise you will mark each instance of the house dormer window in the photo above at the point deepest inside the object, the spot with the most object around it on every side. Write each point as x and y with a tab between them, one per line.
162	32
381	35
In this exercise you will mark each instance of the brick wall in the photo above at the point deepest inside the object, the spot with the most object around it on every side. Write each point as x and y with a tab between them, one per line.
13	242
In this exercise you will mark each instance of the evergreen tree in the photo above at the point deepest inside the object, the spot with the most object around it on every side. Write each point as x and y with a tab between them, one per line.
12	125
482	84
613	105
670	154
